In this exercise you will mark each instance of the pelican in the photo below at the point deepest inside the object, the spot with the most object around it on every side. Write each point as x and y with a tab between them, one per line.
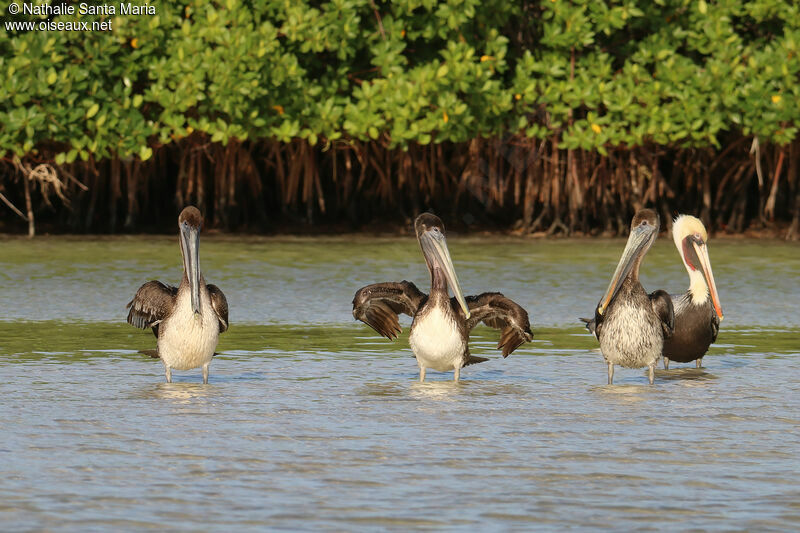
630	324
697	311
441	325
187	319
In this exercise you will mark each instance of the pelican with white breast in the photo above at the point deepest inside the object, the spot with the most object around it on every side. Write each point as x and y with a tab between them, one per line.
187	319
440	330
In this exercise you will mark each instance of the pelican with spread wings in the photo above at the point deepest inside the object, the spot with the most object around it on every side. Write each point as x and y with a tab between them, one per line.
187	319
441	325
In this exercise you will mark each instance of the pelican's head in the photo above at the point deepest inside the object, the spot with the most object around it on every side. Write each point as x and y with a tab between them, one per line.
430	234
644	230
190	223
691	240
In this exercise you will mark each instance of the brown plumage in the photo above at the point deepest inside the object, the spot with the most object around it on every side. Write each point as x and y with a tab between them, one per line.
380	305
499	312
152	303
220	306
661	302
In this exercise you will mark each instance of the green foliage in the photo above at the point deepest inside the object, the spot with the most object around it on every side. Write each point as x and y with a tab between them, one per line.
591	74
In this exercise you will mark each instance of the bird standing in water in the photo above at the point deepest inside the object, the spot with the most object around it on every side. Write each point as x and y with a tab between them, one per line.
630	324
440	330
697	311
187	319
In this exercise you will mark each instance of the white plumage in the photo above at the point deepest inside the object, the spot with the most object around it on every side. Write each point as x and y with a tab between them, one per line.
683	226
436	341
188	341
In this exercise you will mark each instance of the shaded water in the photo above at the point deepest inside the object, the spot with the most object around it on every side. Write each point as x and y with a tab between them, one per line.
311	421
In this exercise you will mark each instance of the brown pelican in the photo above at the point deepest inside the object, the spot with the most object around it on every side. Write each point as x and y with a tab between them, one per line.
697	316
630	324
187	319
441	326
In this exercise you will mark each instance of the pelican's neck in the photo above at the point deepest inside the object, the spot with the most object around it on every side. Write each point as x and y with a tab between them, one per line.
438	279
698	288
633	275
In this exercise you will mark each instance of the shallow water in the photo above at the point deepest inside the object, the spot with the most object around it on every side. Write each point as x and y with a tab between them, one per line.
312	421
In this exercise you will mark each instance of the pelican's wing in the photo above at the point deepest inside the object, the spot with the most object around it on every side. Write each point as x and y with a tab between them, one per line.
220	306
497	311
662	305
714	325
380	304
152	304
590	324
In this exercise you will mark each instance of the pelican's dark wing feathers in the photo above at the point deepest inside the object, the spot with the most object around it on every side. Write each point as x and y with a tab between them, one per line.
662	305
499	312
152	303
220	306
380	304
714	326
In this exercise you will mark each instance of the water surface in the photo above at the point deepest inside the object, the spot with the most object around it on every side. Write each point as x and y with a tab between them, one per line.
312	421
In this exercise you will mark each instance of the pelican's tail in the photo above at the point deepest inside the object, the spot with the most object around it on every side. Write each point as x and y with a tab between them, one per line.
471	360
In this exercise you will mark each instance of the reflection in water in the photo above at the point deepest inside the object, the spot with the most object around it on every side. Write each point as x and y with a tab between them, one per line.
625	395
441	390
181	393
685	374
388	389
436	390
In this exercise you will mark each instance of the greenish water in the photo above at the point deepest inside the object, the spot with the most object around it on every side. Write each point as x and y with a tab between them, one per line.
312	421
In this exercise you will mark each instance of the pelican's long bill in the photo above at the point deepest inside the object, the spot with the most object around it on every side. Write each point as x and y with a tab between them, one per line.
190	249
702	262
434	247
639	241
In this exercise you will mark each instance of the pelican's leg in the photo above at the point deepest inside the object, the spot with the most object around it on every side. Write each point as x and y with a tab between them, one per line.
666	363
205	374
457	373
421	374
168	372
699	362
652	374
610	373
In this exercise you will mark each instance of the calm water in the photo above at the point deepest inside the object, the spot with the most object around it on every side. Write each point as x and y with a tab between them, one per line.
312	421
